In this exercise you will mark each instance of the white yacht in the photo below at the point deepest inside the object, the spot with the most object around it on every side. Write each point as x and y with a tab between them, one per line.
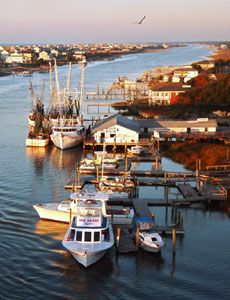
90	234
65	137
62	212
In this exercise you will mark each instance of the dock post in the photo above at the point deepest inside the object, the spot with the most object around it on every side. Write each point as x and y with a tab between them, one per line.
175	214
172	213
118	236
70	216
97	173
174	240
126	158
137	234
166	194
78	175
156	163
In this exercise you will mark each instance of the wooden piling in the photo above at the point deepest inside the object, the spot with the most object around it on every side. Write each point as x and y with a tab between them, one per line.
137	234
118	236
174	240
70	216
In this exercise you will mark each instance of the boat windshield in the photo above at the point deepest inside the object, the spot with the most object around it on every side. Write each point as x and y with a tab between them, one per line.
84	236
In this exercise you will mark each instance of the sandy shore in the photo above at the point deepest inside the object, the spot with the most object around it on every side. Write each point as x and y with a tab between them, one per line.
223	54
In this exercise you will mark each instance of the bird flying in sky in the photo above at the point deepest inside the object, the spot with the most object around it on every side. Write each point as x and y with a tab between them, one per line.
140	22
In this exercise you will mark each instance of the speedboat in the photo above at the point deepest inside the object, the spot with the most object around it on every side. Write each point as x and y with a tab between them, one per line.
65	137
150	241
90	234
148	238
62	212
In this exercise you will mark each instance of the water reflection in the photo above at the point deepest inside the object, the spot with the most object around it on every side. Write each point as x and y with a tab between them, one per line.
149	261
56	230
38	156
65	159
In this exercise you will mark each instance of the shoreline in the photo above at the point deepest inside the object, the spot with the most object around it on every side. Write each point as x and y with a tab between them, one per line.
27	70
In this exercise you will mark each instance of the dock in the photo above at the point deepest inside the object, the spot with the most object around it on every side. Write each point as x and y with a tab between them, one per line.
125	242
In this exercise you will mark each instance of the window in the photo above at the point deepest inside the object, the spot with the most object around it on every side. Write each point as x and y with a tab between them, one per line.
79	236
96	236
87	236
112	135
71	235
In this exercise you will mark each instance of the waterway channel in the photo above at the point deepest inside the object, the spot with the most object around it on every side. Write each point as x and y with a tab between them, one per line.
34	265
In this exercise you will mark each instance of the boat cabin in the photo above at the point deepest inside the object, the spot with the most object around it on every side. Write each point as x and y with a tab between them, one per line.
79	130
82	232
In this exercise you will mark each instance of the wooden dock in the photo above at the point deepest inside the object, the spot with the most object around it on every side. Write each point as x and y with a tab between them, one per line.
125	242
141	207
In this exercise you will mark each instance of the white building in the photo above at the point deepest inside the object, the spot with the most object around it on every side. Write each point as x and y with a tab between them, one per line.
185	73
4	54
178	126
117	129
15	58
44	55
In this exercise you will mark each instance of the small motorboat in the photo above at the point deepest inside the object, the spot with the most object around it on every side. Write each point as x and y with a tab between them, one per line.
148	238
123	182
137	150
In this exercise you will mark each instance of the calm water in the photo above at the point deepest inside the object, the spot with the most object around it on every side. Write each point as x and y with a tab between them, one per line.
34	264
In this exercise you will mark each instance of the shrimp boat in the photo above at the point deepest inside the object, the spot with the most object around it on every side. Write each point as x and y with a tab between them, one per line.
65	137
90	233
65	114
38	130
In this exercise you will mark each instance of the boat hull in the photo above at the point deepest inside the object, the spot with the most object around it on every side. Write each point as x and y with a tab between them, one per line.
149	248
52	214
86	258
37	142
66	142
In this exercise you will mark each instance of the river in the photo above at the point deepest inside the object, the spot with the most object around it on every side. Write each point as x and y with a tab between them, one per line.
34	265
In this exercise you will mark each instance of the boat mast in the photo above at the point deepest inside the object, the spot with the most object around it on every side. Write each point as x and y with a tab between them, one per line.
32	95
57	85
83	64
52	104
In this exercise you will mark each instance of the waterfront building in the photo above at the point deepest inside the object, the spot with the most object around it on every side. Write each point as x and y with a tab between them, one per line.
206	64
165	95
178	126
44	56
186	73
4	54
117	129
14	58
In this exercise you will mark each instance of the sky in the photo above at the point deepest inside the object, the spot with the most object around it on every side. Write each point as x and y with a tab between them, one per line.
74	21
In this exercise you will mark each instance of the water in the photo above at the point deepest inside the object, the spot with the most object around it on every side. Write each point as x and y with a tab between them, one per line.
34	265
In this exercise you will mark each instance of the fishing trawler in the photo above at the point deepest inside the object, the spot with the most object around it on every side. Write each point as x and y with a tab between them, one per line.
38	135
65	115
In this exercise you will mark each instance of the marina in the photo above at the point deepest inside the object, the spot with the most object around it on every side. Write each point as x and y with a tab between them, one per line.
165	192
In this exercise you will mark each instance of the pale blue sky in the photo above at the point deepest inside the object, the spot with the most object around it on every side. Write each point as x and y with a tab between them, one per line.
34	21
